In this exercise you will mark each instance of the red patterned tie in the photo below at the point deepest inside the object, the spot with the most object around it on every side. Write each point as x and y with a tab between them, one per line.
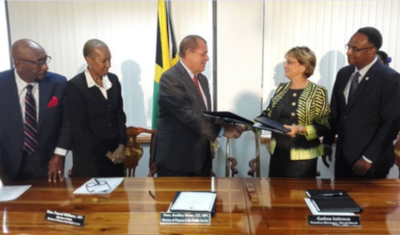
196	83
30	131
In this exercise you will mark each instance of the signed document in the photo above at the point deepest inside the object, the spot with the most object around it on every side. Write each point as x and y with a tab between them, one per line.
9	193
194	201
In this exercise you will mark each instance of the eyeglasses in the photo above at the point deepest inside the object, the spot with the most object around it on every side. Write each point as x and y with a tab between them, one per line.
98	186
39	63
355	49
288	62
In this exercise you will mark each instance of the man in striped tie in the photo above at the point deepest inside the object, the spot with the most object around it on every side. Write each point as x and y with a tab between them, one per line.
34	133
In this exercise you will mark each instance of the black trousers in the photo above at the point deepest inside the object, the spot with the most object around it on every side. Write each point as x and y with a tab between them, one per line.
205	171
31	167
280	166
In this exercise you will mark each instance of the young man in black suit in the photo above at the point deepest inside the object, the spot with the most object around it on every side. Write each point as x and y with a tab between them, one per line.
365	111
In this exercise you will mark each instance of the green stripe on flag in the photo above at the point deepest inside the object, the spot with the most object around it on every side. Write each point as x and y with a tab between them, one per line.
166	55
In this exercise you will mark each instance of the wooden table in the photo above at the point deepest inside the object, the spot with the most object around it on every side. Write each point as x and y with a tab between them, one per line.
131	210
128	210
282	209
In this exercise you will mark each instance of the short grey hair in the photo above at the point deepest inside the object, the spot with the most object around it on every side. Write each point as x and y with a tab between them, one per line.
90	45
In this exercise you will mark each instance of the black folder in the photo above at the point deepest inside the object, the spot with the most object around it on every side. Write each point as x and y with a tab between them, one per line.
336	204
270	124
326	193
333	201
263	123
227	117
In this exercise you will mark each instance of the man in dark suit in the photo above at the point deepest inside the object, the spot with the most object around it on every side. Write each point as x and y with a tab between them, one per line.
36	147
183	134
365	111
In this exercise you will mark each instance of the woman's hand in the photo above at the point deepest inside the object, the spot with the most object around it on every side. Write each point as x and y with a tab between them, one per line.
294	130
119	154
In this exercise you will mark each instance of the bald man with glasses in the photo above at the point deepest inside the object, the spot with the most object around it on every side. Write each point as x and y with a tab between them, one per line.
34	133
365	111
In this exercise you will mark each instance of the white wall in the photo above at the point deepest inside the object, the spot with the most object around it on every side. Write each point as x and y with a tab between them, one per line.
239	74
252	38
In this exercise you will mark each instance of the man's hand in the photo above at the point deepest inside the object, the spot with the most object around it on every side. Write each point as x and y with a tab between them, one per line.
232	131
327	155
243	127
361	167
56	168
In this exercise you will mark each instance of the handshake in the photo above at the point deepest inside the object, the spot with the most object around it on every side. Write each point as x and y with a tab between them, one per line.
235	130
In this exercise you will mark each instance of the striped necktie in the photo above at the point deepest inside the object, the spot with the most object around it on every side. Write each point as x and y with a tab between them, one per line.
196	83
30	131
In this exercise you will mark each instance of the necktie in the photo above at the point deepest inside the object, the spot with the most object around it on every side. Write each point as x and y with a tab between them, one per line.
196	83
354	83
30	131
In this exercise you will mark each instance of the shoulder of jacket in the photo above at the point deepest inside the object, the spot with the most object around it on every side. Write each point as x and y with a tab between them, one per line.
55	78
112	75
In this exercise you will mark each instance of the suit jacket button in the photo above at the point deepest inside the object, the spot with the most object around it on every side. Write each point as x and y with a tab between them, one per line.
345	117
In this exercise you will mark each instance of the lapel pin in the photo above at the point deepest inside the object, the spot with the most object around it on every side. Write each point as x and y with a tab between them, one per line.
366	78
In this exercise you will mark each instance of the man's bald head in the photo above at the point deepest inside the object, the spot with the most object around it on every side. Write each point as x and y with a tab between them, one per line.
26	54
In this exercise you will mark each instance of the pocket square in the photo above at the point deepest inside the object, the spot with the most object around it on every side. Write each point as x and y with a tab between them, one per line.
53	102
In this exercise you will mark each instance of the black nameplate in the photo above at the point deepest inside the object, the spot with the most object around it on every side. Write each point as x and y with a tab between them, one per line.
65	218
329	220
185	218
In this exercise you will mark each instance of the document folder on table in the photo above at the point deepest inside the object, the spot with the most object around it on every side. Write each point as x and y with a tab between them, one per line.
333	201
326	193
263	123
194	202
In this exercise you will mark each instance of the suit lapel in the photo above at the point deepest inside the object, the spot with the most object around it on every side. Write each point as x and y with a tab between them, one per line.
14	106
363	84
204	86
284	100
44	97
345	79
192	87
95	91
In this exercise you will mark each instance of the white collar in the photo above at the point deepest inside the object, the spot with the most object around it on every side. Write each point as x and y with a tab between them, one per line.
364	70
21	84
91	83
191	74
